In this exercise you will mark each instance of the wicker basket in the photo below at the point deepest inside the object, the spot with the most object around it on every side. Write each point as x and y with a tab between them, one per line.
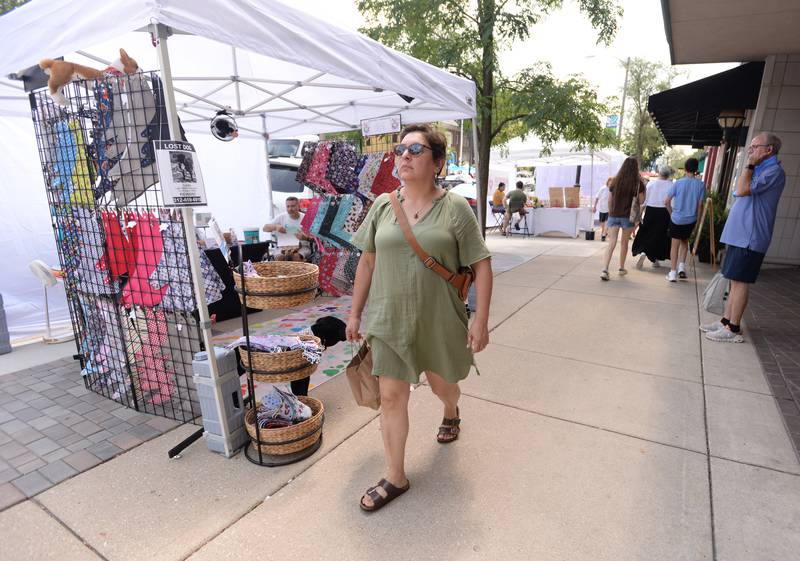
280	367
280	284
288	440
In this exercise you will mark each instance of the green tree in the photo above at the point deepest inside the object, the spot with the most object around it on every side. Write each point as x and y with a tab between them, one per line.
465	37
641	138
8	5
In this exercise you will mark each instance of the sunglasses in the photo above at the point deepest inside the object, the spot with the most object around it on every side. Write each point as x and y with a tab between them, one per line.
413	149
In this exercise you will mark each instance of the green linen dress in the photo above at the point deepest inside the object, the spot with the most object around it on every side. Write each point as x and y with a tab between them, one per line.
415	319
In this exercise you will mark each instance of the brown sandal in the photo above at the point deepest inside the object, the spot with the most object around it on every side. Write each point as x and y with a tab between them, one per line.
449	429
378	500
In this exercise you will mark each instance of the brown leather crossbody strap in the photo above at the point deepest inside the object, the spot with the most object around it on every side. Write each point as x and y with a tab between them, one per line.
430	262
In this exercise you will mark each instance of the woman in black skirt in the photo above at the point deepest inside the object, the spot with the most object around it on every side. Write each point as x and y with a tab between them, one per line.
652	239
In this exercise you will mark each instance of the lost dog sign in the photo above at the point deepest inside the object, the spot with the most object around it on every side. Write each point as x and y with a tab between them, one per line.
179	174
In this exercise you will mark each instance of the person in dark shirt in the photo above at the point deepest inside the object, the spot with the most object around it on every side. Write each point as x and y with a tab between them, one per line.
627	184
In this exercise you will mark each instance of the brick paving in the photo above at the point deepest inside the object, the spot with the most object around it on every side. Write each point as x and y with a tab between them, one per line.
773	325
53	428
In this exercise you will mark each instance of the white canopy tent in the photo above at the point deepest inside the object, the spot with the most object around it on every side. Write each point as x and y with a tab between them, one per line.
558	167
281	71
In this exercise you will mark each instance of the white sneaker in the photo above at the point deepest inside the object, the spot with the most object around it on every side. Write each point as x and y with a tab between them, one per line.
640	262
681	270
604	275
622	272
656	264
725	336
709	327
672	276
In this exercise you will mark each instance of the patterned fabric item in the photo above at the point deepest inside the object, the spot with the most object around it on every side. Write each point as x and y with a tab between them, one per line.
106	147
311	213
351	266
354	216
339	277
327	224
362	160
367	176
315	179
341	167
89	263
102	347
119	257
148	245
385	181
281	405
327	265
68	239
66	156
82	179
183	342
338	232
154	375
134	172
174	270
321	211
309	149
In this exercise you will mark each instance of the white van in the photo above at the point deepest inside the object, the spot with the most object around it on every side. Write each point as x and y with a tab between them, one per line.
285	156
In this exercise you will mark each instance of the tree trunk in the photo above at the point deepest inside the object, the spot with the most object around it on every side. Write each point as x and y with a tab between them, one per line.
485	102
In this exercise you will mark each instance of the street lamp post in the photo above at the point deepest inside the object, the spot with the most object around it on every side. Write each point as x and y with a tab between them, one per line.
624	91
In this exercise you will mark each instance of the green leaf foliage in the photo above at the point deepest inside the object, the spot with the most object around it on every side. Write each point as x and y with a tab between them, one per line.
8	5
641	138
465	38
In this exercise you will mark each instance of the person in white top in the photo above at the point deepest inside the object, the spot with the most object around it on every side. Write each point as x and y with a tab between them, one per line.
601	206
292	243
652	240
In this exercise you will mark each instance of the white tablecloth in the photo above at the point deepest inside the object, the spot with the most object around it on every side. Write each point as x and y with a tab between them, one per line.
567	221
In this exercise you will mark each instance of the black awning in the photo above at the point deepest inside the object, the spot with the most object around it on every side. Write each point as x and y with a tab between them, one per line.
688	114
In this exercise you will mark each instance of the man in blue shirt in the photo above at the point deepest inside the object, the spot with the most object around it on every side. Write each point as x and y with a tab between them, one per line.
683	202
748	231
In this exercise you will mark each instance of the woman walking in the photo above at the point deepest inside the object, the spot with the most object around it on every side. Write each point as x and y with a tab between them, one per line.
416	320
652	239
627	184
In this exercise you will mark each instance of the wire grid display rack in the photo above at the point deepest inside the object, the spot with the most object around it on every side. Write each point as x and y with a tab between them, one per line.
124	255
379	143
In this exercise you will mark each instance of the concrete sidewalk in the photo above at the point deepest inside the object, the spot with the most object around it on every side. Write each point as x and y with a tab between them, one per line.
603	427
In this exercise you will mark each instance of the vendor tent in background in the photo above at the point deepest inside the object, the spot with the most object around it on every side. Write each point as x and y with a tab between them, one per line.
559	166
281	71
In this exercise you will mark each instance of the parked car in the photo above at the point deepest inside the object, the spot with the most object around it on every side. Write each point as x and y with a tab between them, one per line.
284	185
470	192
289	147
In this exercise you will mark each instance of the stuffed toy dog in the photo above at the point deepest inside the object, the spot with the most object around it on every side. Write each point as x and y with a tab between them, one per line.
62	73
330	330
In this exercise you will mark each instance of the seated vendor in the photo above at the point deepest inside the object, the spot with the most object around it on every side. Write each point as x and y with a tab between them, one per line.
515	201
497	199
293	245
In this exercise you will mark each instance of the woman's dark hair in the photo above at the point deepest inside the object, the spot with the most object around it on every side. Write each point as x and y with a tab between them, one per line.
434	138
627	181
691	165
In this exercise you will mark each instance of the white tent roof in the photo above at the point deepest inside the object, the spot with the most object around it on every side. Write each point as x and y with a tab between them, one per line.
305	75
530	152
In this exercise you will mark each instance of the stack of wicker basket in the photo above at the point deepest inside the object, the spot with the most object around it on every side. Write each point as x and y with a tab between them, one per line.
282	367
279	284
279	368
288	440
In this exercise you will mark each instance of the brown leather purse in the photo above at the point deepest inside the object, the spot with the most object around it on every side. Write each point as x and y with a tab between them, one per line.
461	280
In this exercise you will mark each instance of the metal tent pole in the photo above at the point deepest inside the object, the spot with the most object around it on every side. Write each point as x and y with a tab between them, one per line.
162	33
265	134
460	142
591	192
